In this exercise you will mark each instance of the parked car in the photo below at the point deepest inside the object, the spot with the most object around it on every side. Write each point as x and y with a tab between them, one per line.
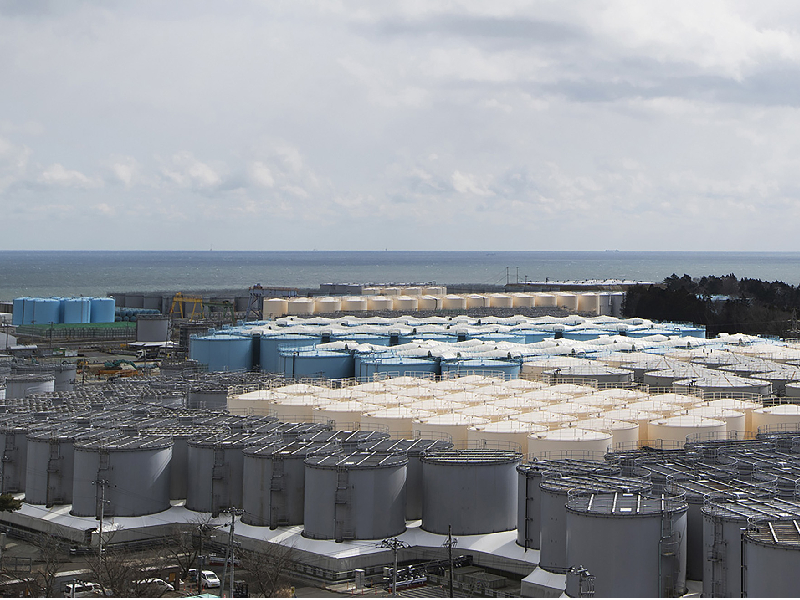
208	579
82	589
154	585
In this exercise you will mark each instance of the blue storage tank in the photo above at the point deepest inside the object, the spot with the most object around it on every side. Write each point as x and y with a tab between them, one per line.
496	338
102	310
45	310
584	334
223	352
27	310
76	310
17	311
367	366
302	363
450	338
489	367
272	342
533	336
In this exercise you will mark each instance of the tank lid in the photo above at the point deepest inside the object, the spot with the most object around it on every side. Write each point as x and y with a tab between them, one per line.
472	457
408	447
753	509
356	460
568	466
343	437
776	533
296	448
554	482
125	443
624	504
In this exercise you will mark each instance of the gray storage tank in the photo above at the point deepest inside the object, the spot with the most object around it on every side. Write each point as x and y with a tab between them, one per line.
722	540
274	481
136	472
474	491
20	386
207	396
413	450
360	496
14	446
350	441
555	491
634	545
215	471
50	464
771	559
529	490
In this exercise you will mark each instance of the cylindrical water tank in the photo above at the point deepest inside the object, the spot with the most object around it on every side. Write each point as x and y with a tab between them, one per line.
300	364
102	310
501	301
77	310
354	304
273	492
152	328
223	352
207	396
413	450
545	300
429	302
570	442
771	554
46	310
397	420
215	473
300	306
451	426
360	496
14	444
735	422
784	417
567	301
20	386
555	492
477	301
624	434
327	305
270	346
674	431
50	465
648	535
474	491
132	471
379	303
276	307
522	300
507	434
454	302
405	303
589	303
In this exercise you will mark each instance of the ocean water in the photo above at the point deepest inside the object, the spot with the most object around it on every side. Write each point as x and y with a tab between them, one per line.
98	273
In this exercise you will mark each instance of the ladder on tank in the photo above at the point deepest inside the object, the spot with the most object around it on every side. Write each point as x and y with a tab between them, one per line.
277	491
218	478
668	549
54	461
8	451
717	560
343	529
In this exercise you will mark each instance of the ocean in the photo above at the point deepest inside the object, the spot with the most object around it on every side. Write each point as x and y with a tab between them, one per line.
98	273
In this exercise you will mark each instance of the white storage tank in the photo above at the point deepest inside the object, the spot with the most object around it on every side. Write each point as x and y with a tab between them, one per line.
360	496
571	442
405	303
20	386
567	301
472	491
454	302
500	301
379	303
522	300
477	301
276	307
354	304
545	300
648	538
300	306
735	423
429	302
452	426
397	420
327	305
506	434
589	303
674	431
345	414
624	434
776	418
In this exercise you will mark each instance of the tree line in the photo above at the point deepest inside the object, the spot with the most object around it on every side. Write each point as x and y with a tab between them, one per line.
723	304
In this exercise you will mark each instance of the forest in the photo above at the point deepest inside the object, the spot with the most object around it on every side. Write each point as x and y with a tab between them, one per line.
723	304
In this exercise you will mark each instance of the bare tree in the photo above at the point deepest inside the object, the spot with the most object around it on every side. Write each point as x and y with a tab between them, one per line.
186	544
52	555
269	569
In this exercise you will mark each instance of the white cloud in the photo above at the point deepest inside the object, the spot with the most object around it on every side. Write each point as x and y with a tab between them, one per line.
261	175
58	175
184	170
465	183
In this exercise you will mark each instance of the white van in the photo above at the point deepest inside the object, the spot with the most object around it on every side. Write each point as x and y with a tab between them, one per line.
208	579
82	589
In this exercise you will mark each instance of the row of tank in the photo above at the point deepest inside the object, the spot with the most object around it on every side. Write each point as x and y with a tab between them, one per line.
530	416
418	299
368	347
38	311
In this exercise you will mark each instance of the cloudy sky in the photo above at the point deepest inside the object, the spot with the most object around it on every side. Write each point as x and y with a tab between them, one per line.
404	125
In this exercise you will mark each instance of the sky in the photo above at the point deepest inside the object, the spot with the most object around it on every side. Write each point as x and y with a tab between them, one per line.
407	125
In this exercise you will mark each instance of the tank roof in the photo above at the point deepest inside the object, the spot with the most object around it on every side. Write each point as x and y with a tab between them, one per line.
343	437
751	509
294	448
356	460
625	504
472	457
776	533
125	443
569	466
555	482
409	447
232	440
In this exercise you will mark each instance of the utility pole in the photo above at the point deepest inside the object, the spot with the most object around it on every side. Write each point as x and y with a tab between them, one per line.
395	545
102	483
451	541
234	512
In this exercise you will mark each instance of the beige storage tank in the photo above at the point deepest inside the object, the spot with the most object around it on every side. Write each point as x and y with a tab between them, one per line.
390	291
405	303
258	402
784	417
412	291
503	435
522	300
589	303
500	301
570	443
641	417
545	300
674	431
343	415
520	404
624	434
744	406
437	405
453	425
477	301
276	307
296	409
665	408
544	417
434	290
601	402
301	306
684	401
354	304
327	304
379	302
520	386
568	301
575	410
398	420
491	412
429	303
735	422
453	302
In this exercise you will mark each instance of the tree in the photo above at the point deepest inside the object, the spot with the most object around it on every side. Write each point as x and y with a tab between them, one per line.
268	568
186	543
8	503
